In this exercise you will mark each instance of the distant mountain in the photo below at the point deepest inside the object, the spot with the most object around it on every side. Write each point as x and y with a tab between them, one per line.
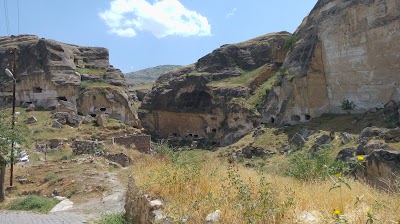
149	74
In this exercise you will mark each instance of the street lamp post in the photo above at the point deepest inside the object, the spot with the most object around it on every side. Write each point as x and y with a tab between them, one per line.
12	75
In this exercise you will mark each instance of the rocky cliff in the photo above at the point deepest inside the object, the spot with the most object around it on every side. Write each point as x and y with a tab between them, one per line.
206	101
345	50
49	71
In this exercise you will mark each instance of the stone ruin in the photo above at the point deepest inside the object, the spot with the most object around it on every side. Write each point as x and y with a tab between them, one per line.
141	142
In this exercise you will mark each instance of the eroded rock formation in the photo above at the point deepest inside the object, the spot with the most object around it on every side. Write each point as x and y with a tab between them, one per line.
345	50
49	71
194	102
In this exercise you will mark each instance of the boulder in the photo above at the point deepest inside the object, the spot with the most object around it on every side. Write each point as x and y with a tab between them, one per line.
213	217
66	106
370	132
298	141
392	133
31	120
56	124
58	115
323	139
55	143
75	120
346	154
346	138
62	120
307	217
382	169
368	148
251	151
102	119
31	107
88	119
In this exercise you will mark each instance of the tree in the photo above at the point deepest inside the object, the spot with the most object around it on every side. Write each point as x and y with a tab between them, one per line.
348	105
7	136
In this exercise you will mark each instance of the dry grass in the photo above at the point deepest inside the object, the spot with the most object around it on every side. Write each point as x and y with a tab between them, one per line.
209	183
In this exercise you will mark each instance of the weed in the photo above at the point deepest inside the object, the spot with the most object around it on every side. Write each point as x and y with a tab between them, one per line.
33	203
71	192
112	218
51	176
318	166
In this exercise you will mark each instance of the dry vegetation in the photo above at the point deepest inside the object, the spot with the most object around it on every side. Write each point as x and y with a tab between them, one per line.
194	184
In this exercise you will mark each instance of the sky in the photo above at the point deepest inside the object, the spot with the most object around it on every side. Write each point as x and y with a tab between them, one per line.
146	33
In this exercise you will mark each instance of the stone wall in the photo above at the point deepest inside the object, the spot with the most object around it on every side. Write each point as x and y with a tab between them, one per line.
141	142
119	158
87	147
140	208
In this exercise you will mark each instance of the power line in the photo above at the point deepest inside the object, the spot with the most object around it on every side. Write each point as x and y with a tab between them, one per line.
6	17
18	14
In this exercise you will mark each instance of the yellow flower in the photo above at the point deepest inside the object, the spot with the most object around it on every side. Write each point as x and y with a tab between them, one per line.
338	175
360	158
336	211
368	212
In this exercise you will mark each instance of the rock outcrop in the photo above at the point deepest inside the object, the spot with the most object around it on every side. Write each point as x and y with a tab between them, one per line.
345	50
49	72
206	101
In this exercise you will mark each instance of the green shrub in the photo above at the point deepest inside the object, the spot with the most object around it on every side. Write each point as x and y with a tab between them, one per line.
113	218
51	176
290	43
33	203
348	105
318	166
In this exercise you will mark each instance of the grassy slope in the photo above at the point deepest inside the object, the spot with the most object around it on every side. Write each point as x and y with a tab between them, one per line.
149	74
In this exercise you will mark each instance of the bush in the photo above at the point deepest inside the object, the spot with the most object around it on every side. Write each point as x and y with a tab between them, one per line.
290	43
318	166
33	203
112	218
348	105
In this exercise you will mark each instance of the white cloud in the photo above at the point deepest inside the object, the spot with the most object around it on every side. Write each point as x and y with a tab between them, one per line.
231	13
163	18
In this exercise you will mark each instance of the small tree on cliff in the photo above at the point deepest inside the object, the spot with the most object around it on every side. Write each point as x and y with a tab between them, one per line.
348	105
7	135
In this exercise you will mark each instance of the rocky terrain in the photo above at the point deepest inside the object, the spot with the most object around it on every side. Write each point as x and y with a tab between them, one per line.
49	71
343	50
193	103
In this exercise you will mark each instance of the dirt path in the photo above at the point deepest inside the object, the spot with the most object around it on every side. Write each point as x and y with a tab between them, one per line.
112	202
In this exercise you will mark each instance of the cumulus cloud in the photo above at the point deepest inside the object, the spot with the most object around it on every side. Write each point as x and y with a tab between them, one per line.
162	18
231	13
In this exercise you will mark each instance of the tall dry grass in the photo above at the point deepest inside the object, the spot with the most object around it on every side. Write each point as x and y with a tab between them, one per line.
194	184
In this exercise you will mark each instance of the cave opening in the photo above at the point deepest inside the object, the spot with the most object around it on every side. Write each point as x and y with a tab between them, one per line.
62	98
295	118
37	90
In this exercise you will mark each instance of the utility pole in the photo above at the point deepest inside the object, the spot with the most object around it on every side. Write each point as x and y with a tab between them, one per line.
13	118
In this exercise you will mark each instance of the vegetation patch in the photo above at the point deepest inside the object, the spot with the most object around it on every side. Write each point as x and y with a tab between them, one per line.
33	203
92	71
243	80
112	218
257	100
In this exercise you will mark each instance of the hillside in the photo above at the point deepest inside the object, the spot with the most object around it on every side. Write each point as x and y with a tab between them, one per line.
283	78
149	74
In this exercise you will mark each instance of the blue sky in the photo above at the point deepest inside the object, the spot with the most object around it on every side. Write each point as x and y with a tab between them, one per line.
147	33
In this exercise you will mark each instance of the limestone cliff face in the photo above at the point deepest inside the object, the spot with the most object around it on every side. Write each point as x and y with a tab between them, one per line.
345	50
49	71
195	103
